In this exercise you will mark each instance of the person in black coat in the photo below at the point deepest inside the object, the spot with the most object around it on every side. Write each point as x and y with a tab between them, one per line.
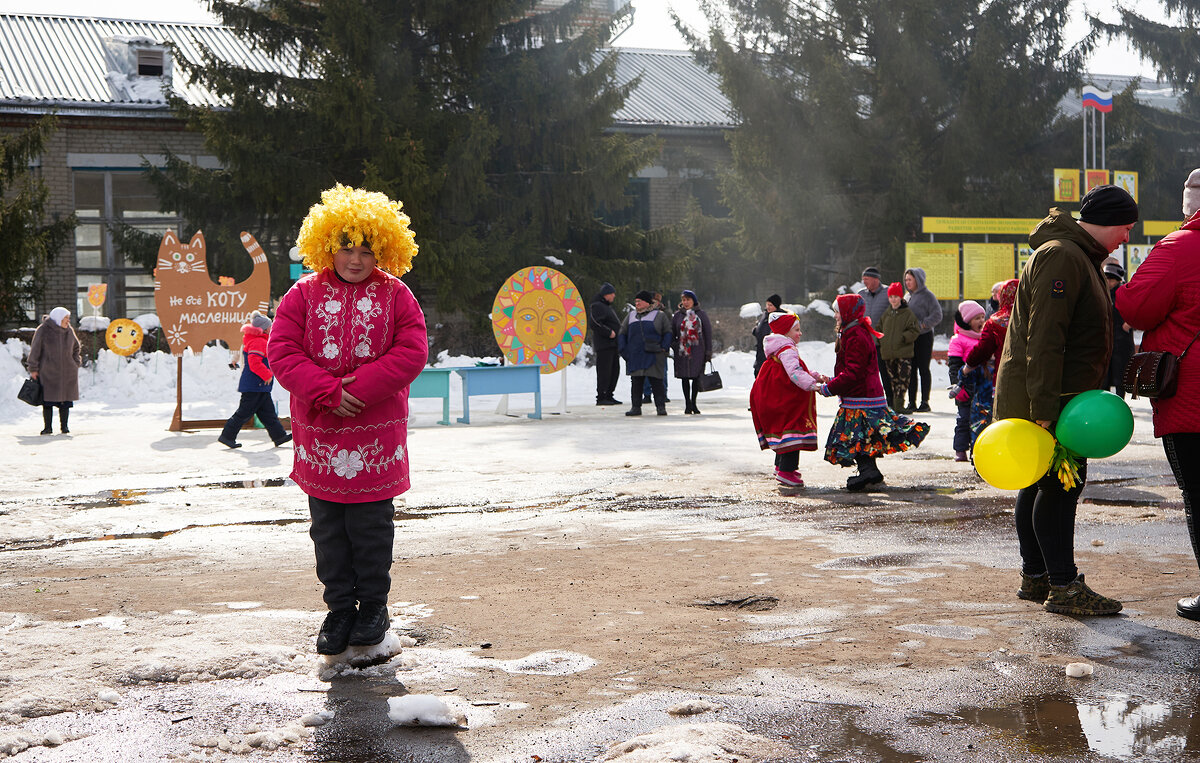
1114	274
763	329
604	324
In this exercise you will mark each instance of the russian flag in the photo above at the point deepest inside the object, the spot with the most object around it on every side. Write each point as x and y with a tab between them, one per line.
1100	100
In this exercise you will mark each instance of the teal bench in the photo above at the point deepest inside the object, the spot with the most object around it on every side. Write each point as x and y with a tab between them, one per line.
500	380
434	382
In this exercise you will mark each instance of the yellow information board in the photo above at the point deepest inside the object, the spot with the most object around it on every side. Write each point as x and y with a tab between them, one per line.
940	263
1024	252
1007	226
1128	180
1066	185
1159	227
984	265
1135	254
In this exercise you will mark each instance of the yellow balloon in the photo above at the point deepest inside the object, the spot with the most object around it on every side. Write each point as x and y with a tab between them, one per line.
1013	453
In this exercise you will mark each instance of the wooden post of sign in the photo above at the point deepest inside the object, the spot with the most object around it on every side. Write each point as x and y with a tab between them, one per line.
179	425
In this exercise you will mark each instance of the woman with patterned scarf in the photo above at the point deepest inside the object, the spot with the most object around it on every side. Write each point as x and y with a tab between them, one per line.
693	346
865	427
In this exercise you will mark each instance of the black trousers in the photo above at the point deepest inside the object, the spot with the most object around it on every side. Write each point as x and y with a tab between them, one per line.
1046	527
608	371
658	388
1183	453
353	542
252	404
922	356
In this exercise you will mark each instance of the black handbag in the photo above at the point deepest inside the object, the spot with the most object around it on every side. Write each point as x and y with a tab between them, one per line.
31	392
709	381
1154	374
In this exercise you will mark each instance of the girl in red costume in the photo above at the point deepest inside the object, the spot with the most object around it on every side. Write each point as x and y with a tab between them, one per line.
865	428
782	402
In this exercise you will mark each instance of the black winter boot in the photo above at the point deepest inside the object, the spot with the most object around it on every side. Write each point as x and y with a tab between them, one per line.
48	419
371	625
335	631
63	413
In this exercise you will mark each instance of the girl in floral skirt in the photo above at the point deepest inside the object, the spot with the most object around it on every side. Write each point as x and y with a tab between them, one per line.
865	428
347	342
782	402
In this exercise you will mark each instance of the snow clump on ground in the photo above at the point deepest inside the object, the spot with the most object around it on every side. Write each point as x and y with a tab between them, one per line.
694	743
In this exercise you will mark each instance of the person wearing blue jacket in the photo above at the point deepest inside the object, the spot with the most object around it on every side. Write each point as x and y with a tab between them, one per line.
643	341
255	385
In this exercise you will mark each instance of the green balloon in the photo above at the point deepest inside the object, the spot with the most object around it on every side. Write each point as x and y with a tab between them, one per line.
1095	424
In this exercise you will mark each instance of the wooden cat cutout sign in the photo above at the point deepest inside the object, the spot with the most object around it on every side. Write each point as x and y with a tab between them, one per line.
191	308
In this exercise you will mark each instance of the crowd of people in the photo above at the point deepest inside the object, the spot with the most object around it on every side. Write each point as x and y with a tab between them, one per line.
348	340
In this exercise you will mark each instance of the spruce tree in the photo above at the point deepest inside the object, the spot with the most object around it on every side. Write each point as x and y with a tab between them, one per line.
1163	146
860	117
484	117
28	240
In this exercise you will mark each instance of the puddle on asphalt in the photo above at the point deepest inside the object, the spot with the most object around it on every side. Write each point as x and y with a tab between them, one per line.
1117	726
873	562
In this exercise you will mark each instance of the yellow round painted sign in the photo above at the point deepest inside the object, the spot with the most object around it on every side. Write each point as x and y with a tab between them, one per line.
539	317
124	337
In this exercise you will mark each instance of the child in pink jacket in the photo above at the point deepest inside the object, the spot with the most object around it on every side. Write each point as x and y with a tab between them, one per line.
968	321
347	342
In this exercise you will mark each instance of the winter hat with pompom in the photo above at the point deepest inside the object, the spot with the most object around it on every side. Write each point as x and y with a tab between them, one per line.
260	321
781	323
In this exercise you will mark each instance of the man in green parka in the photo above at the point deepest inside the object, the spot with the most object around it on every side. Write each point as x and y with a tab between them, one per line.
1058	345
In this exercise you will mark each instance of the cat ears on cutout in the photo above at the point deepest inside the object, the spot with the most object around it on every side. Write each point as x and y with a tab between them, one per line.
169	237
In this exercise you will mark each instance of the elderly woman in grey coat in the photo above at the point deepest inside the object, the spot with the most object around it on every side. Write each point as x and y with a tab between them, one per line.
54	360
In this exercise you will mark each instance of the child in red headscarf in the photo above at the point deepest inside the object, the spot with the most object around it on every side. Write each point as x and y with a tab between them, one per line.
782	402
865	428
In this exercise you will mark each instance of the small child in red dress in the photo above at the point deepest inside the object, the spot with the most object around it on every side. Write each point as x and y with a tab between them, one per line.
782	402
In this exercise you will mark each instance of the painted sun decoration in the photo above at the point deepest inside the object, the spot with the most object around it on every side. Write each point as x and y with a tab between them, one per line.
538	317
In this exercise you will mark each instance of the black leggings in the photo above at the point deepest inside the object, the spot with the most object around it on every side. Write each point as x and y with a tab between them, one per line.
1046	527
1183	453
787	462
691	388
922	356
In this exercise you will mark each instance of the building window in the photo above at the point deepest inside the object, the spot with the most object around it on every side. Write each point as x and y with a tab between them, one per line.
637	191
105	200
150	63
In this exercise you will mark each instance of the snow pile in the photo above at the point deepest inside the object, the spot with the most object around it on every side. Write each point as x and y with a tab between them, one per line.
553	662
93	323
426	710
319	718
357	657
1079	669
694	743
693	707
110	696
13	742
254	738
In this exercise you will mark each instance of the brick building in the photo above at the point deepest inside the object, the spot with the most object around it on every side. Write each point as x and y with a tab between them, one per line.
106	78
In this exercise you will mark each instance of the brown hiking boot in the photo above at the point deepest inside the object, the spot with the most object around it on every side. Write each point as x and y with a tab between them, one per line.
1076	598
1034	587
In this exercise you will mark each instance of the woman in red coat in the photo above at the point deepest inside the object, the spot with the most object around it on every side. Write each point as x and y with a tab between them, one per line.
1163	300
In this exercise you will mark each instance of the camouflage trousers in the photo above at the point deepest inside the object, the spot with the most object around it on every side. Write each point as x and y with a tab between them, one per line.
898	369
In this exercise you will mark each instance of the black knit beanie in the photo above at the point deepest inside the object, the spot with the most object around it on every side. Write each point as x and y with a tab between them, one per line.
1108	205
776	300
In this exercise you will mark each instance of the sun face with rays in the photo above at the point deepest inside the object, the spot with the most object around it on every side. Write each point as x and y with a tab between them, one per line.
538	317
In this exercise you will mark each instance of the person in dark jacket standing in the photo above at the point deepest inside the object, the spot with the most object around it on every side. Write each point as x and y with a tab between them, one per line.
1114	274
692	343
255	385
1058	344
928	310
1163	300
763	330
604	324
875	295
643	341
54	360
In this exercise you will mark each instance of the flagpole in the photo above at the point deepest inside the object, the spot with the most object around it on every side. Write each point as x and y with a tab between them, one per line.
1103	149
1093	138
1084	116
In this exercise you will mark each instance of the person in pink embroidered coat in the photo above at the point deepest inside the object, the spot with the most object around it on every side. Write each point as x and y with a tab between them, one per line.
347	342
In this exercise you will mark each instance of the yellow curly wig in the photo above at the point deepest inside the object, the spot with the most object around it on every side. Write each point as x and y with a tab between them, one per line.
354	216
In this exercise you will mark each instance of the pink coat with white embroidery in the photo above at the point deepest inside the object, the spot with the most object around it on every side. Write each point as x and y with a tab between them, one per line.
326	329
